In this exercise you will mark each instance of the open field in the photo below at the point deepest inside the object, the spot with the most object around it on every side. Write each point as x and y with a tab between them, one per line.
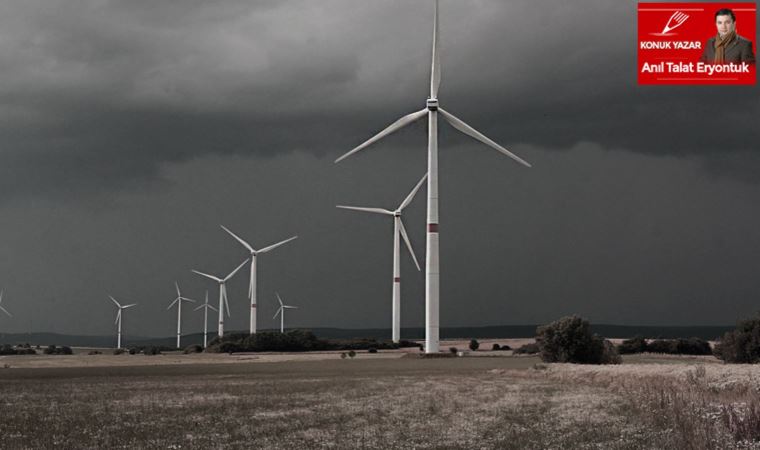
380	401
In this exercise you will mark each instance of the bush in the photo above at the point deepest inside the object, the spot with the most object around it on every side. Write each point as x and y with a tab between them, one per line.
116	351
53	350
195	348
636	344
151	350
527	349
474	345
132	351
351	354
453	350
496	347
569	340
691	346
372	350
506	347
10	350
741	345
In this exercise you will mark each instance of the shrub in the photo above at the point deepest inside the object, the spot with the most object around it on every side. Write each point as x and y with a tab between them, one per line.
496	347
7	349
453	350
351	354
53	350
372	350
195	348
527	349
636	344
681	346
151	350
132	351
116	351
741	345
506	347
343	355
570	340
474	344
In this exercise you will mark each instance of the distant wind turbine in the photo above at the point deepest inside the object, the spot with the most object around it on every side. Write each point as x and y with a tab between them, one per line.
205	307
179	301
252	285
281	312
398	230
222	294
431	110
118	319
1	306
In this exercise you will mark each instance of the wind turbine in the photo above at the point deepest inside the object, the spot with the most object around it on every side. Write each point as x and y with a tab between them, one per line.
118	318
1	306
281	311
398	229
179	301
205	307
431	110
222	294
252	285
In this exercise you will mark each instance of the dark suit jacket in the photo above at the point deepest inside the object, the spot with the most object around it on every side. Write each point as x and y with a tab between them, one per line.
740	50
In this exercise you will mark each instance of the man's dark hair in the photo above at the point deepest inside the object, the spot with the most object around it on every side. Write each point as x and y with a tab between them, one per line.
725	12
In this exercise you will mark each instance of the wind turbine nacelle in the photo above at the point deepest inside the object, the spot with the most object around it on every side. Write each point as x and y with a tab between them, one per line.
432	104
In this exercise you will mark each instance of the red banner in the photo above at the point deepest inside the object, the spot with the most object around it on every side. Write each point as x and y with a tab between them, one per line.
687	43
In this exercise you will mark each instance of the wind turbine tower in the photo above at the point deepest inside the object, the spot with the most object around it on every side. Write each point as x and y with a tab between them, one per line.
281	312
431	110
205	307
118	319
179	301
398	230
222	294
252	285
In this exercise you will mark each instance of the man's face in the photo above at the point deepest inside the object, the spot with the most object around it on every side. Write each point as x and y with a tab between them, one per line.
724	24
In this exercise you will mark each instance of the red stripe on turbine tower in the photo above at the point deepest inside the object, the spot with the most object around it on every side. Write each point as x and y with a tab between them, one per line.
397	279
432	228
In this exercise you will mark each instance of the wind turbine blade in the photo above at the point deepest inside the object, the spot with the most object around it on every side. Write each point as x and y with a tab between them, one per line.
6	311
213	308
177	286
118	316
114	300
411	195
279	299
218	280
370	210
274	246
435	70
468	130
1	295
290	307
277	313
402	230
172	303
199	307
232	274
129	306
226	304
395	126
239	239
187	299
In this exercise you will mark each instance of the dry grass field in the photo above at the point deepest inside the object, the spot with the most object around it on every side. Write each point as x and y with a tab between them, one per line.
378	401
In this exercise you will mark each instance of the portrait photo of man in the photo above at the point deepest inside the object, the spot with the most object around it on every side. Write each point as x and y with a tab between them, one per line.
727	46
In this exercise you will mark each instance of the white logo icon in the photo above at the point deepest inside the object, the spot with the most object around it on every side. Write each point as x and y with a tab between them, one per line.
675	21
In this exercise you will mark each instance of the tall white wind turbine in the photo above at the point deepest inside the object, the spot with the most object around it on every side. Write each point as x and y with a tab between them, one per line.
118	319
398	230
222	293
281	312
179	301
1	306
252	285
431	110
205	307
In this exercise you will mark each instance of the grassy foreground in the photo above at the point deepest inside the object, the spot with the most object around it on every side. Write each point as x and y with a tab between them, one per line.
500	402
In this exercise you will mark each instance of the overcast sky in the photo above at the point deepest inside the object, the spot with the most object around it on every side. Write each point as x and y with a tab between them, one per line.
129	130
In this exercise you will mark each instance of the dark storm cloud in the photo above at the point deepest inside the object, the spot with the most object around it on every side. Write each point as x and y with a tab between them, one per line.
87	84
